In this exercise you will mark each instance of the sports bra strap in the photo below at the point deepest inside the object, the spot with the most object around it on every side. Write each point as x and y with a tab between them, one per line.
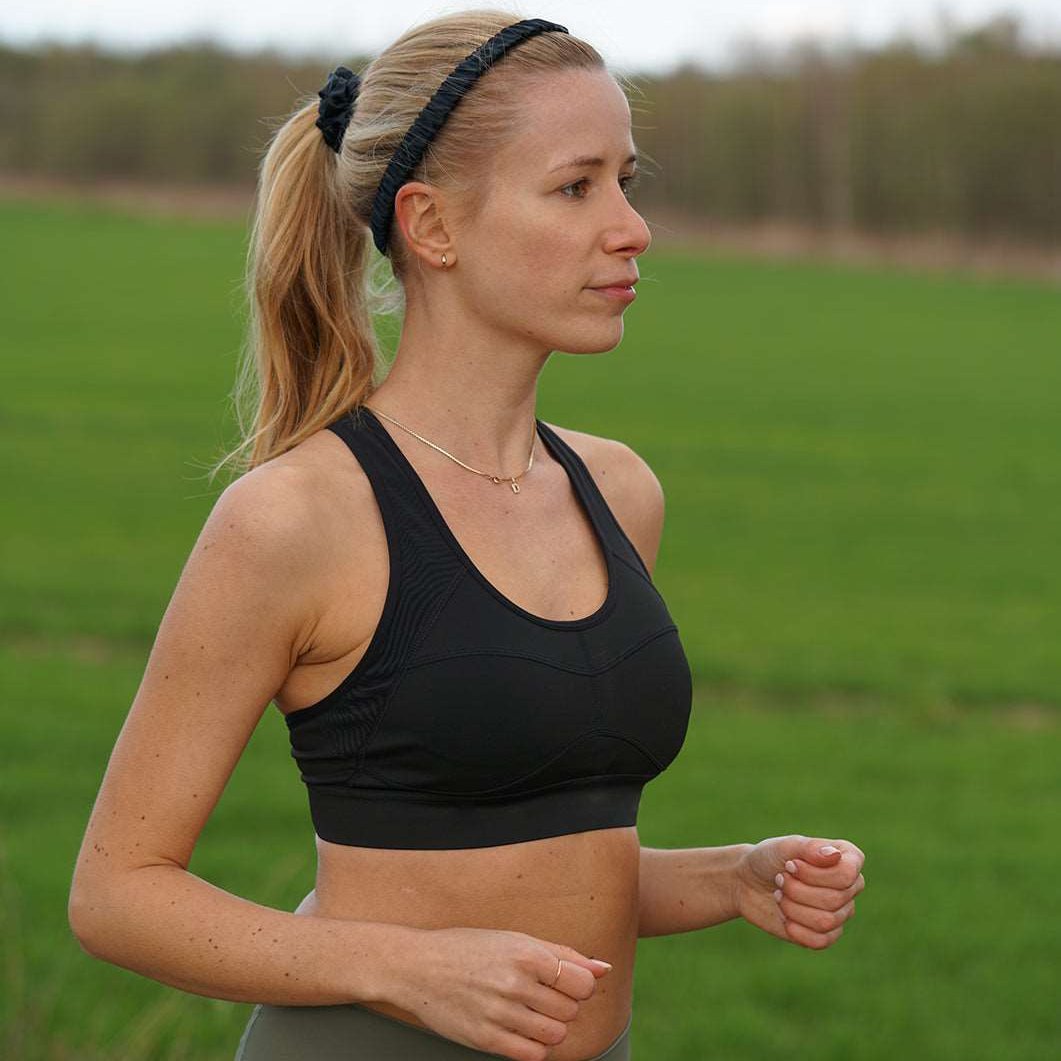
410	515
586	487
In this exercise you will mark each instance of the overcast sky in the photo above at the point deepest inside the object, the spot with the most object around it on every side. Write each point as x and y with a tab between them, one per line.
631	34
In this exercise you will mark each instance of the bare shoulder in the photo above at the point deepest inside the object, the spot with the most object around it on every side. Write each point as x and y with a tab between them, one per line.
284	528
629	485
300	492
266	541
335	522
274	511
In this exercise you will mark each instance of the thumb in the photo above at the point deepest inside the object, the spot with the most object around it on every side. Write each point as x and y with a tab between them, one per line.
821	852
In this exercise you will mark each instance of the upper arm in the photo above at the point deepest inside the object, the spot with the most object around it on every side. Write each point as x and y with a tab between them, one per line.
229	636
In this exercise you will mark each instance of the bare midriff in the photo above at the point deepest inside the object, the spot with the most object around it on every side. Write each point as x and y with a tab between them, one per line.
579	890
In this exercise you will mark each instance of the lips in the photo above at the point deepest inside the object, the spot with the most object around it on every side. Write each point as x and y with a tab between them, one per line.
625	294
616	283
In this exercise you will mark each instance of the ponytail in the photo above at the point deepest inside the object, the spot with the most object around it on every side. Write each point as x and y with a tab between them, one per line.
310	351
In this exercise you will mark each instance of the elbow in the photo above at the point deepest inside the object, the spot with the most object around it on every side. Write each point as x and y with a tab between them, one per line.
98	906
78	916
83	914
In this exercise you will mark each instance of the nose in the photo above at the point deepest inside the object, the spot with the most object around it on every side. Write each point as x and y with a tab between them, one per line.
630	231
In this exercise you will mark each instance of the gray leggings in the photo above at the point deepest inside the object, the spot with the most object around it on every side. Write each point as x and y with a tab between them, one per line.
352	1032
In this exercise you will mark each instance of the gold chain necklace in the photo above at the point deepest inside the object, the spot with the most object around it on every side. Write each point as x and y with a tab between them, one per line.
493	478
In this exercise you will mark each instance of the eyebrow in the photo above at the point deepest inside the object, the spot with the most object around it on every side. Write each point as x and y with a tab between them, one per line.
586	160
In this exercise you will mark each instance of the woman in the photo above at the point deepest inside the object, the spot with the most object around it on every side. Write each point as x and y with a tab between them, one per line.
478	676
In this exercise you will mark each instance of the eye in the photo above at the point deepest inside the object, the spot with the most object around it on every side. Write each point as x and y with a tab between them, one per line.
628	184
576	185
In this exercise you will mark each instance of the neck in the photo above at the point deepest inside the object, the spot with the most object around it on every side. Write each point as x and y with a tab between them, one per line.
479	408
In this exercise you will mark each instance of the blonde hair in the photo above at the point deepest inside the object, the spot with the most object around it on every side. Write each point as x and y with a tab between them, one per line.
310	352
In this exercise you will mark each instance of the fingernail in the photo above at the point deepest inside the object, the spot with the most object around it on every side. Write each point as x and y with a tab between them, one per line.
828	849
790	866
597	961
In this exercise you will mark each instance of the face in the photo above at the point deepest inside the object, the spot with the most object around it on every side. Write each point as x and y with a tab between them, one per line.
550	231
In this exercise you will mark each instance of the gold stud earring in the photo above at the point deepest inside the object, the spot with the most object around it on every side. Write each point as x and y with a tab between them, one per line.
443	261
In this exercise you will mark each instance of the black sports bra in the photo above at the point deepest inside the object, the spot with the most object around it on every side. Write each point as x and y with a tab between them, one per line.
471	722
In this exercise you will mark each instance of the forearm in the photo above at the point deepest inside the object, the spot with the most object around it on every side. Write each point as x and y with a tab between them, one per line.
170	925
683	889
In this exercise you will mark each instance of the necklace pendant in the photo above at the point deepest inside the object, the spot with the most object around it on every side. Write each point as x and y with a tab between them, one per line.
515	487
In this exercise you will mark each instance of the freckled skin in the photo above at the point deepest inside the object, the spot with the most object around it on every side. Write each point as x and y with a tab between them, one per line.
516	291
482	330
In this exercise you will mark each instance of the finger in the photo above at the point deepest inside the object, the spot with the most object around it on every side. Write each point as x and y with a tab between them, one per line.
819	851
854	852
814	918
539	1026
844	873
576	981
595	966
813	895
807	937
518	1038
552	1003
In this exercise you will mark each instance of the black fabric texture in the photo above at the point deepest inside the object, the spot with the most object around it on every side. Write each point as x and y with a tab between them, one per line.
471	722
337	100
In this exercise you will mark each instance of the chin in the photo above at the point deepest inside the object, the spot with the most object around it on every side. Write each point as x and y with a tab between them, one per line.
590	345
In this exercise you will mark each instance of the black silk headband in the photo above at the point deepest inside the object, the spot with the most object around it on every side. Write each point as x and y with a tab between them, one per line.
340	93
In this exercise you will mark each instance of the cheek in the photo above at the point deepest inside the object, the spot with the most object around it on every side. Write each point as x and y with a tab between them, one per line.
533	243
527	274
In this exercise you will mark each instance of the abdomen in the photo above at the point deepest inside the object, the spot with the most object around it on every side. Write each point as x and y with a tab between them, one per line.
579	890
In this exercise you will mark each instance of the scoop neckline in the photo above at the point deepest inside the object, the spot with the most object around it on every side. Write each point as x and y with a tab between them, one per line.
563	460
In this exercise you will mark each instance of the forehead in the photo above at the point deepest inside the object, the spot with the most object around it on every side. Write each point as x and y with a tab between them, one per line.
574	113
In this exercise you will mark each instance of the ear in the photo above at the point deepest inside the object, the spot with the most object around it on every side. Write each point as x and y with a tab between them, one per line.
419	211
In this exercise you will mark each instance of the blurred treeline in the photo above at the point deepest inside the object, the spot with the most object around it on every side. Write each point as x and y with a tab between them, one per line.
964	138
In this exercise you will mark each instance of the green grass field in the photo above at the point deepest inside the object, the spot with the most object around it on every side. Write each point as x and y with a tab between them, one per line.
863	480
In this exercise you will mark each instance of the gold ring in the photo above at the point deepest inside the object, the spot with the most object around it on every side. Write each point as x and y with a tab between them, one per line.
559	967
